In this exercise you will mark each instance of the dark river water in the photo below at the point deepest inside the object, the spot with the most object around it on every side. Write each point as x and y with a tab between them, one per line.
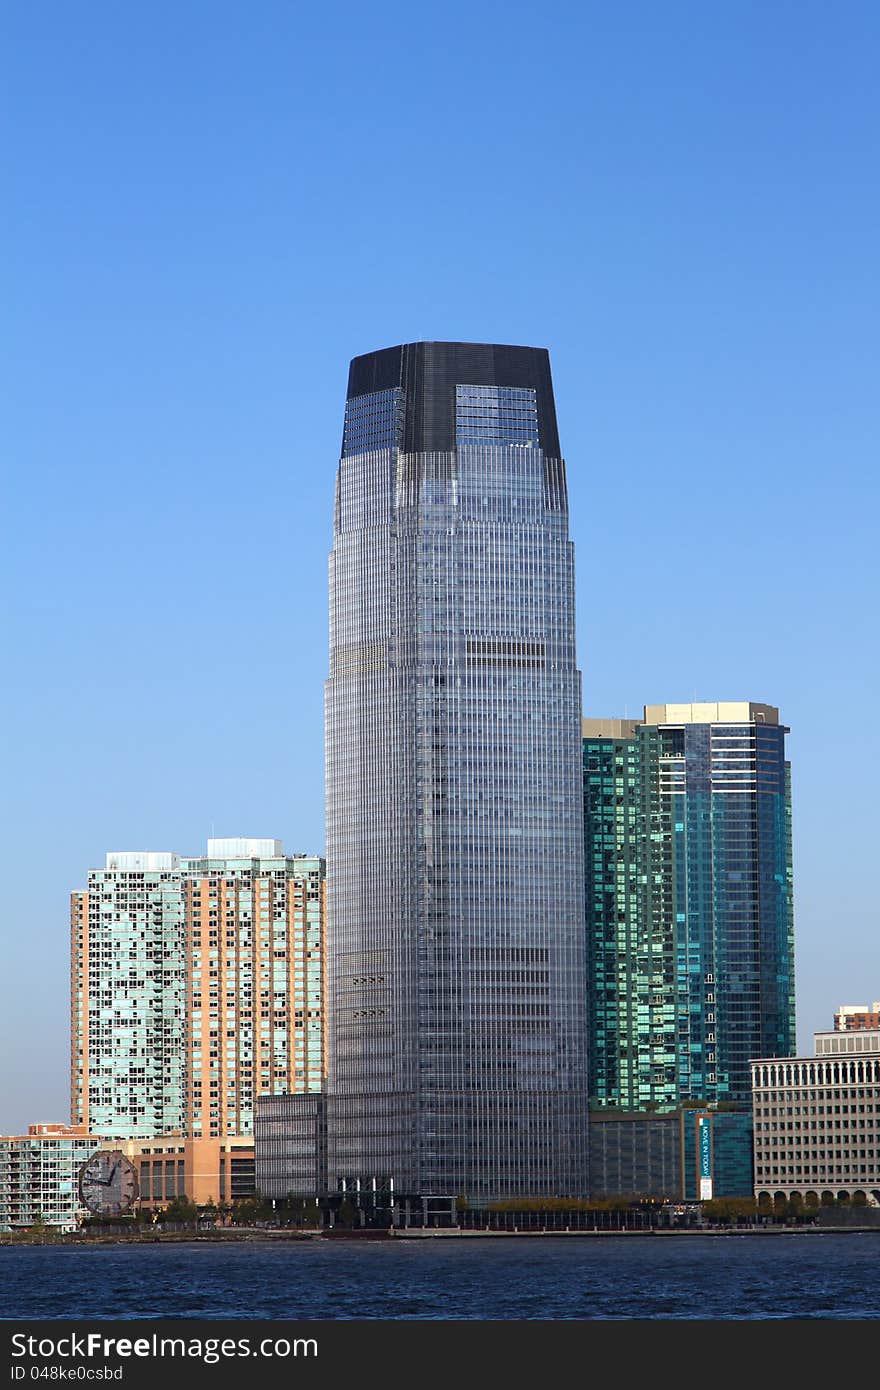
802	1275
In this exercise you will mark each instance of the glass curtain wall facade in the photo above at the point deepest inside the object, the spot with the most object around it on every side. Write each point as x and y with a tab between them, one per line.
457	1032
630	919
687	819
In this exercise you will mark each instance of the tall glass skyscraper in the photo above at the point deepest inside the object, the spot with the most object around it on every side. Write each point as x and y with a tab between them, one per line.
689	902
456	954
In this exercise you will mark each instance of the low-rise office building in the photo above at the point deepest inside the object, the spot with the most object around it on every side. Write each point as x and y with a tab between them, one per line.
633	1154
817	1120
199	1170
290	1137
693	1154
685	1155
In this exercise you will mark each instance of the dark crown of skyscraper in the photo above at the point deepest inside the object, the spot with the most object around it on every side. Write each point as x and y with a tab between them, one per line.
428	373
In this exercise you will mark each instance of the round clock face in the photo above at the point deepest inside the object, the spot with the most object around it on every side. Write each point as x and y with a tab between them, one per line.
108	1183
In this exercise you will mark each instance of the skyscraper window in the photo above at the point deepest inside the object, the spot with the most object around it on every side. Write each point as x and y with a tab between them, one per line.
496	415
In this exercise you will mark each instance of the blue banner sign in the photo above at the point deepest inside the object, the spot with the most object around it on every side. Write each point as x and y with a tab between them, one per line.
704	1155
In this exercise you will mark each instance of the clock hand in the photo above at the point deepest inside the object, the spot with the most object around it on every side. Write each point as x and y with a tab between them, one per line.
104	1182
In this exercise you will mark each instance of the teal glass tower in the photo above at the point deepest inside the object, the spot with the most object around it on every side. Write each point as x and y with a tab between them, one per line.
690	934
456	963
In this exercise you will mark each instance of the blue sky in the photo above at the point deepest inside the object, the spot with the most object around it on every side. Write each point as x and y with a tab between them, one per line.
209	209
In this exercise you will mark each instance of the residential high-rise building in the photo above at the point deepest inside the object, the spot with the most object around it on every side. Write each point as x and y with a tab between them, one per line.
687	821
128	994
196	984
454	816
255	982
850	1018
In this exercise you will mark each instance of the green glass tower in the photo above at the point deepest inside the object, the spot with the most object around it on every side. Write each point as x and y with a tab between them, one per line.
687	825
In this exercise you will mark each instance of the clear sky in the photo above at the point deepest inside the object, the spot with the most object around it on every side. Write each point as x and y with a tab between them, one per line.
209	208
